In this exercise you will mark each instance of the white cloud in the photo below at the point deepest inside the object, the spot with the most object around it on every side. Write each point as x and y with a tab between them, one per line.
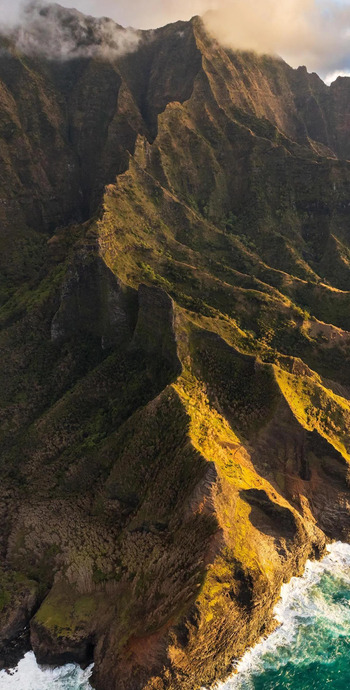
47	29
330	78
143	14
311	32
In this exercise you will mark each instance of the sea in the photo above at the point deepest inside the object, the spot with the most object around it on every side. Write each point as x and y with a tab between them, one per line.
309	650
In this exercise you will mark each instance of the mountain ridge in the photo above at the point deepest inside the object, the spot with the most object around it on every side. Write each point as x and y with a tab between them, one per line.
175	333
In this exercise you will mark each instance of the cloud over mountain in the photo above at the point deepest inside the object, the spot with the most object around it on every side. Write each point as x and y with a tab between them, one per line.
311	32
41	28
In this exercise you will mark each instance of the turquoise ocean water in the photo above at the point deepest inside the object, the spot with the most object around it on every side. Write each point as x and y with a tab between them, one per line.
310	650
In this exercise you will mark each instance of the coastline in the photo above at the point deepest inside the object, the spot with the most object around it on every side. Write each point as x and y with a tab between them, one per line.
291	612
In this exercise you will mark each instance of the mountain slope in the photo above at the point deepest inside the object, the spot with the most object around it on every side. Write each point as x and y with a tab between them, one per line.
175	338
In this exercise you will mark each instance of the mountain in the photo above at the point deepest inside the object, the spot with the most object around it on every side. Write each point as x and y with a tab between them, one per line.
175	341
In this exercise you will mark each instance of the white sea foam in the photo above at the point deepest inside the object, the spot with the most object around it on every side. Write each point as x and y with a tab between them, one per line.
29	676
302	606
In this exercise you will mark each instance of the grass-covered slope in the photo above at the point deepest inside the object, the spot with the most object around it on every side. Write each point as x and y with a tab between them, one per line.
175	344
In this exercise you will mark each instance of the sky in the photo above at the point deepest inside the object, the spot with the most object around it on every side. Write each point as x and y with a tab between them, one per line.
315	33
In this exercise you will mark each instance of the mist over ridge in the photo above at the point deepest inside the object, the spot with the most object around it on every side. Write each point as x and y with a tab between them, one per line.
310	32
50	30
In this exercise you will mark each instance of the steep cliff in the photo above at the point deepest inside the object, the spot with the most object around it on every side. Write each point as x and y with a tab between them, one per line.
175	339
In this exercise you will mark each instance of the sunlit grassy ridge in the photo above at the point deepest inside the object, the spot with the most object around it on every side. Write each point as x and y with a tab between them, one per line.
318	408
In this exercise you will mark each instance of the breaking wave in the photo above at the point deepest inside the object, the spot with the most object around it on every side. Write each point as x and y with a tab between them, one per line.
310	649
29	676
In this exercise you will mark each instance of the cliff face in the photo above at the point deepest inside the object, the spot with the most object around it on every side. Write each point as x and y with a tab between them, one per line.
175	339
